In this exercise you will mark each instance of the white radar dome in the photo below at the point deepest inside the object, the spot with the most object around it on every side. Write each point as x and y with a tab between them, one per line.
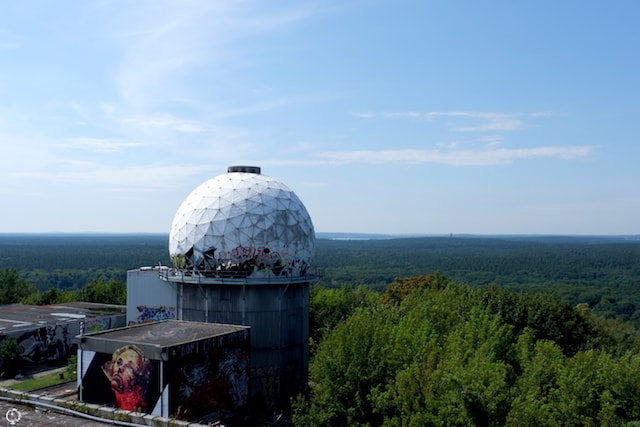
242	224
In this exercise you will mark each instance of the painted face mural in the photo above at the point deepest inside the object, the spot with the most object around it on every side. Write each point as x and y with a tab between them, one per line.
129	372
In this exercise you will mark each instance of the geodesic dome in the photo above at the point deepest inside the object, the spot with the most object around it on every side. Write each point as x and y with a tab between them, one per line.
243	224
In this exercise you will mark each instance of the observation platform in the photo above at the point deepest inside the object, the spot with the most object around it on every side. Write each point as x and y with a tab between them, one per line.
231	277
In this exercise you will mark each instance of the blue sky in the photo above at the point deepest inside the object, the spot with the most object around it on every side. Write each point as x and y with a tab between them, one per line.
434	117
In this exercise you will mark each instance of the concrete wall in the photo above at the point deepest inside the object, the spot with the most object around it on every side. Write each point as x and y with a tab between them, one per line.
148	297
279	319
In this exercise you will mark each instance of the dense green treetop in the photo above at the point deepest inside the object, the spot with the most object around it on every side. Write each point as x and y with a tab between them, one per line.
430	352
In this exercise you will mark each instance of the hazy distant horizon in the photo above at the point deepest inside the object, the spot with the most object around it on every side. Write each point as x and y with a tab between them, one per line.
348	236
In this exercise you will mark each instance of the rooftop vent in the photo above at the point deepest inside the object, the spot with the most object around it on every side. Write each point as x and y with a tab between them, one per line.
245	169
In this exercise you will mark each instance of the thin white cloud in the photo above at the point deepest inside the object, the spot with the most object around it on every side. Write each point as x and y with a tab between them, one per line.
481	121
99	145
494	124
168	41
19	155
489	124
540	114
490	155
164	121
4	45
258	107
154	177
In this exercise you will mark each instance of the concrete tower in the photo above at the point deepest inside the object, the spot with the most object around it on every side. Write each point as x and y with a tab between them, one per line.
242	245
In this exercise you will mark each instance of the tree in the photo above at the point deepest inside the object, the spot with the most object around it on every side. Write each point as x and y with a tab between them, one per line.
536	397
466	380
545	316
112	292
13	288
348	365
329	307
50	296
356	361
402	287
10	356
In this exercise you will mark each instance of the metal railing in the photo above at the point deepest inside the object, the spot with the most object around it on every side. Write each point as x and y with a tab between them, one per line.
226	277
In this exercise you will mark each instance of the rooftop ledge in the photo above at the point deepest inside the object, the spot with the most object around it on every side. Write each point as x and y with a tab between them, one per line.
230	278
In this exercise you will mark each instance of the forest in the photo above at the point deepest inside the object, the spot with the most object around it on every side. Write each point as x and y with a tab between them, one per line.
601	272
431	352
421	331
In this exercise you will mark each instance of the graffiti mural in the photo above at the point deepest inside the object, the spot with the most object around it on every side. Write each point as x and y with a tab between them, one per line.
46	344
162	368
153	314
53	342
217	379
242	261
126	379
129	374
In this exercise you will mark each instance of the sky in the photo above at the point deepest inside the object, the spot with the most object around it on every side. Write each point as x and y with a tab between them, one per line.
383	116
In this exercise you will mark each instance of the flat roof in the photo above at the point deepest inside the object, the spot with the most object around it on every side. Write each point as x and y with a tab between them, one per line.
17	317
167	332
156	337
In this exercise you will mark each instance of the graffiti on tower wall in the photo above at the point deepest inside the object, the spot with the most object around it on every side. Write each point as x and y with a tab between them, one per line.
262	258
241	261
156	313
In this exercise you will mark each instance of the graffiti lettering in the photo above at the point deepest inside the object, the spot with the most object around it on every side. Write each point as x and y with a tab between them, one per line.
153	314
242	261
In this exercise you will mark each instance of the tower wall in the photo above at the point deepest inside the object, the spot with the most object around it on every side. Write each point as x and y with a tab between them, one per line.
279	319
149	298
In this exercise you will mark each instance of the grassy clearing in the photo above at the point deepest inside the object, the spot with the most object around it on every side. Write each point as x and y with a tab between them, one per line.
40	382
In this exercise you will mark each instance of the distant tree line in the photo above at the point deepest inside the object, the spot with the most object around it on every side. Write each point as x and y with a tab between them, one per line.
69	262
603	273
15	289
